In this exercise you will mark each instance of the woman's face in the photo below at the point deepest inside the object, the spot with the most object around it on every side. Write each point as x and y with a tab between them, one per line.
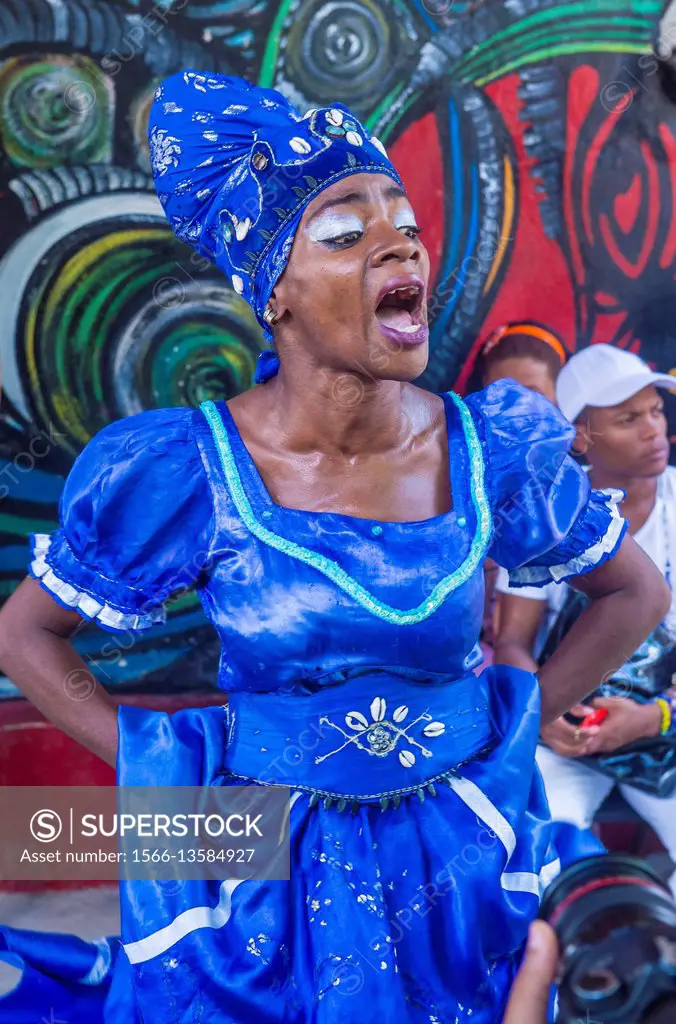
532	373
353	297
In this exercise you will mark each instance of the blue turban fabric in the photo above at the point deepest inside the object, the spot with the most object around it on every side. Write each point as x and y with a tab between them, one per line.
235	166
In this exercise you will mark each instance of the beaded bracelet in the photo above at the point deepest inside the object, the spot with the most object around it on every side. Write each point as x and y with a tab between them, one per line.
672	704
667	715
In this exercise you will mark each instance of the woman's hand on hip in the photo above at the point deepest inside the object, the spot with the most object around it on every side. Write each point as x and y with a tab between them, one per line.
629	598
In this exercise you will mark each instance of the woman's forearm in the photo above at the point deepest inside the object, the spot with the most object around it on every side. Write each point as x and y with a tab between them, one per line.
601	640
629	598
51	674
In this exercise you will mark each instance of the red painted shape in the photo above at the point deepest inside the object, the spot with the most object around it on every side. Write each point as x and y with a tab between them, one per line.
634	270
626	205
591	160
418	157
582	93
537	284
607	326
605	299
669	143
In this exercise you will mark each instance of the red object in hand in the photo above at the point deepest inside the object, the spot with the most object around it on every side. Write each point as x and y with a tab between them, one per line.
596	718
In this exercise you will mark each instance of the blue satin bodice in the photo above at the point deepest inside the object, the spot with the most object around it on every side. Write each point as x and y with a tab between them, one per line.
284	624
171	499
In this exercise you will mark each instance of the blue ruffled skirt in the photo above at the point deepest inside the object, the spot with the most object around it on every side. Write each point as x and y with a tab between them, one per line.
410	910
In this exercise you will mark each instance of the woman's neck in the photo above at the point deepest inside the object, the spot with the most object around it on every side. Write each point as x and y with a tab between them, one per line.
343	413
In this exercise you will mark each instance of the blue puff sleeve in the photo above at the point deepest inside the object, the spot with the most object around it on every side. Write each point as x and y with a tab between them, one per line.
548	523
136	522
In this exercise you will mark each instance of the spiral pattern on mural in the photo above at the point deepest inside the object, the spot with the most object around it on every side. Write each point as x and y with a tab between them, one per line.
347	48
117	316
139	111
55	110
191	341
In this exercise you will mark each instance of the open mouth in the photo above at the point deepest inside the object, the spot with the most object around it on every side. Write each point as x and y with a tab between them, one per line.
400	308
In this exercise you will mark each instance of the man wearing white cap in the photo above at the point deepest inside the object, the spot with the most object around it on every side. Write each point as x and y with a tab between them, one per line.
613	397
602	376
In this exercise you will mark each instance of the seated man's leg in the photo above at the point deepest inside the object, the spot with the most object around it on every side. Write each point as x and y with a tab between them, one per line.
660	813
574	791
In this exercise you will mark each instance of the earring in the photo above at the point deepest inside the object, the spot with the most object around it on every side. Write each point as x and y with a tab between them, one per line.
270	317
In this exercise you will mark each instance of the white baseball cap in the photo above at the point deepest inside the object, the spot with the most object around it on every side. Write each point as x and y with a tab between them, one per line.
602	376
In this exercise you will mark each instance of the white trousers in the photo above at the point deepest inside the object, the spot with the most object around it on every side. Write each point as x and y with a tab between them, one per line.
575	793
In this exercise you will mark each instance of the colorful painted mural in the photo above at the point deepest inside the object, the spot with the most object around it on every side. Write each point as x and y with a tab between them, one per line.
537	139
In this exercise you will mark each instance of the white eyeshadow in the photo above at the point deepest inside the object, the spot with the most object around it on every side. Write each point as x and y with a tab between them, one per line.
333	225
405	218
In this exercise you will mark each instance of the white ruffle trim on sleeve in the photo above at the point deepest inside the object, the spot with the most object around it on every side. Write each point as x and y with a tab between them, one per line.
597	554
82	602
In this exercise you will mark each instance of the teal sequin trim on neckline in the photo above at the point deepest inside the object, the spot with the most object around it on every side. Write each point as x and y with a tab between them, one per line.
331	569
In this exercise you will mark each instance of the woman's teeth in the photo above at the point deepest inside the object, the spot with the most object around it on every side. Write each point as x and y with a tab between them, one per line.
409	294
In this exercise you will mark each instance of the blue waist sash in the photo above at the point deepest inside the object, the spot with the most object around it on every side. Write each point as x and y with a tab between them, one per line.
374	737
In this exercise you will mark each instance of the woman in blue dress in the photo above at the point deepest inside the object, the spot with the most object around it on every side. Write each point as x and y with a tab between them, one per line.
335	520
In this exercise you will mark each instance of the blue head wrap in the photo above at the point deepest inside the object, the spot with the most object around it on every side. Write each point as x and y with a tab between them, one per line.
235	167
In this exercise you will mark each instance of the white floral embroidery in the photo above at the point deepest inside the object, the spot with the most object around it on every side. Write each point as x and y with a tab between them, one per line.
172	108
164	150
197	81
255	946
381	735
